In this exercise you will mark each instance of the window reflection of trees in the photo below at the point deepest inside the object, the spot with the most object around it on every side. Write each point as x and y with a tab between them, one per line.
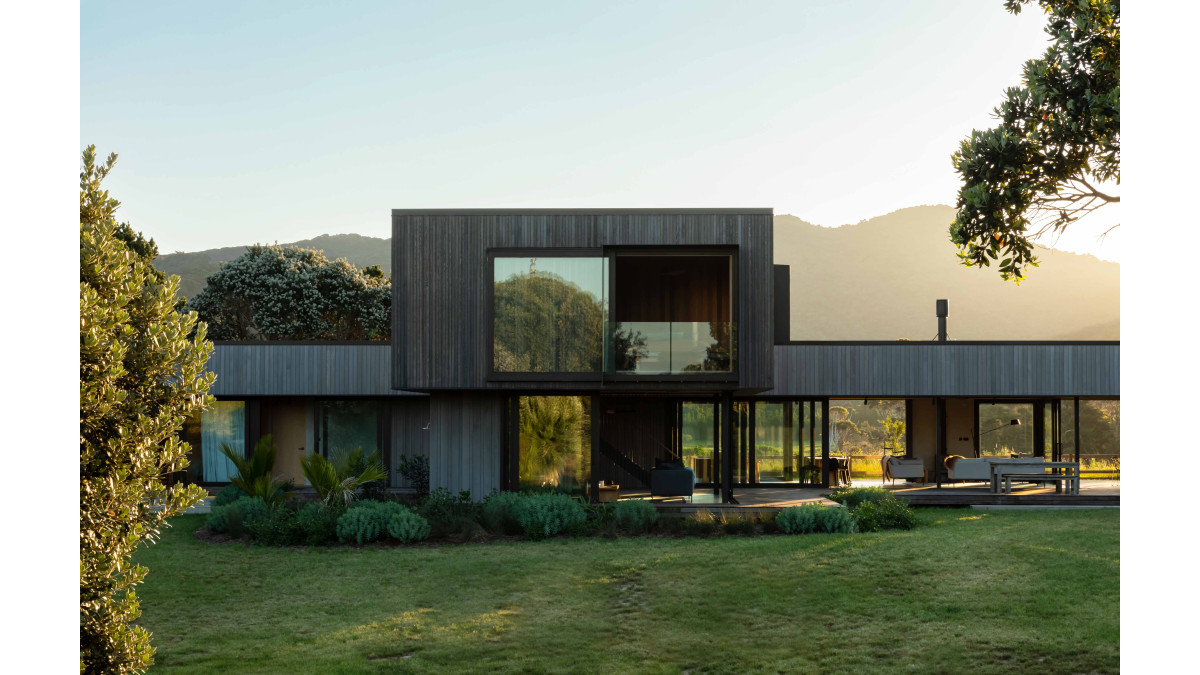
545	324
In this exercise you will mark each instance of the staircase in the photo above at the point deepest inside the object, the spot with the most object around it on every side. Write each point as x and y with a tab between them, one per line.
625	463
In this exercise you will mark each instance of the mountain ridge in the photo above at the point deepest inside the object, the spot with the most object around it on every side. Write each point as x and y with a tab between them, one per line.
872	280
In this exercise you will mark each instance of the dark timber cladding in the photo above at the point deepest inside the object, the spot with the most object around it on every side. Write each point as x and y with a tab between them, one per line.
302	369
465	441
441	285
935	369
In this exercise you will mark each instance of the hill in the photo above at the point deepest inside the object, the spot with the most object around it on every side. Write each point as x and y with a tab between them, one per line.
194	268
879	279
876	280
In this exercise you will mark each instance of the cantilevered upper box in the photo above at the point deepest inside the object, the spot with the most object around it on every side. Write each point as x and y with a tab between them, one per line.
582	299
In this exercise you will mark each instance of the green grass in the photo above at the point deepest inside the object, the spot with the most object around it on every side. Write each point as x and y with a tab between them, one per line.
978	591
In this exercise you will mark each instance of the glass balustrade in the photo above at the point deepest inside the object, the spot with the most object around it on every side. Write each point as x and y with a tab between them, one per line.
669	347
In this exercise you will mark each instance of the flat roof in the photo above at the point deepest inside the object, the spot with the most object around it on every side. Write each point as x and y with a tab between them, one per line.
768	211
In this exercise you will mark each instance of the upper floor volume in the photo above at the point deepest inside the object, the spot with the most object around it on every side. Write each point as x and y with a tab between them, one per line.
582	299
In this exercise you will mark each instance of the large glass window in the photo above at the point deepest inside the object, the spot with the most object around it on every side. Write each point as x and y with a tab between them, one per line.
672	314
697	440
223	423
344	426
863	431
1100	438
555	443
1006	429
548	314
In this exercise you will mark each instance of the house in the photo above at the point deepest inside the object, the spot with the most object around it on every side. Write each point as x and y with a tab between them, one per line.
564	347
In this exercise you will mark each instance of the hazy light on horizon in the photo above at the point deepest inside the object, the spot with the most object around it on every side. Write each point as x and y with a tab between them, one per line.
244	123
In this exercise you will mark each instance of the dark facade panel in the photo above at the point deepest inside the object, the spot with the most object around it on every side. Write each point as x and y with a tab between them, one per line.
947	369
466	436
441	285
298	369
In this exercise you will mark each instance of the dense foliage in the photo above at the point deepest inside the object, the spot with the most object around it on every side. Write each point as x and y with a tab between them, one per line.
341	480
883	514
139	376
367	520
415	470
531	307
852	497
545	515
289	293
1056	148
635	515
407	527
233	517
254	472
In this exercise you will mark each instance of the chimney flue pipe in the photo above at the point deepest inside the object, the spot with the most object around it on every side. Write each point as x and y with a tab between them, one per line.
943	309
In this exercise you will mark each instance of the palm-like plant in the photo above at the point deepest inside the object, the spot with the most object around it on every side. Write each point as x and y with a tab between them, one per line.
254	473
338	482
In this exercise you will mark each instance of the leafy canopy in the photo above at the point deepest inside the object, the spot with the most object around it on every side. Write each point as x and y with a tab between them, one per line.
1058	145
289	293
139	376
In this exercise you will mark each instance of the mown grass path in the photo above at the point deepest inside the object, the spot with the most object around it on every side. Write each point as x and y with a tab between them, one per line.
968	591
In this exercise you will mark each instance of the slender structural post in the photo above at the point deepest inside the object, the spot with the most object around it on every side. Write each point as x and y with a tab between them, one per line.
726	446
595	451
1076	428
940	440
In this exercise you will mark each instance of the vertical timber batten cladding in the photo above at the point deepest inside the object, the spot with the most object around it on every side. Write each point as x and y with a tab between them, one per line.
302	369
442	285
466	436
948	369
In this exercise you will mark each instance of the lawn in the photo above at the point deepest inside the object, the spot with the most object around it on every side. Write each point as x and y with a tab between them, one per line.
978	591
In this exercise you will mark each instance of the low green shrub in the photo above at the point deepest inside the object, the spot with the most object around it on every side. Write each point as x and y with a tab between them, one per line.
852	497
769	523
545	515
499	513
316	524
798	519
228	495
885	514
739	525
359	525
407	527
704	524
313	524
635	516
834	520
415	469
234	517
450	515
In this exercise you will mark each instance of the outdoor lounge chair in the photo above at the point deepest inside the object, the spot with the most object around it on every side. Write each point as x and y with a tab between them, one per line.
903	467
980	468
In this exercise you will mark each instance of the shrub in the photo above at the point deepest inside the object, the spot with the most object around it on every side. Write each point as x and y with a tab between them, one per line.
703	525
407	527
339	482
545	515
415	469
499	513
310	525
254	472
228	494
798	519
316	524
769	524
367	520
233	518
739	525
635	516
852	497
449	514
885	514
834	520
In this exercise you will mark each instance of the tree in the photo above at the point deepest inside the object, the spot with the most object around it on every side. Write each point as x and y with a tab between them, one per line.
139	376
1056	148
290	293
544	323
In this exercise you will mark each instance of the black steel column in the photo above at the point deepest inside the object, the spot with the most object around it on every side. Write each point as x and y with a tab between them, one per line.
751	443
593	481
787	440
939	454
825	442
726	444
716	473
1076	428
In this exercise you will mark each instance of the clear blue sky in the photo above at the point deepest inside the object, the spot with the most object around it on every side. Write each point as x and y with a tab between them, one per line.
245	122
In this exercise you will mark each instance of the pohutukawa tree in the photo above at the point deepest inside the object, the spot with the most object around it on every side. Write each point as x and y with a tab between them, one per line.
139	376
1056	155
290	293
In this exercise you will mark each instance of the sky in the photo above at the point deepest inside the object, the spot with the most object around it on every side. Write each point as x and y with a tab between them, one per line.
264	122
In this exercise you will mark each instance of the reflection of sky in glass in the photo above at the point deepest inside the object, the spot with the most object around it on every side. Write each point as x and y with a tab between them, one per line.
586	273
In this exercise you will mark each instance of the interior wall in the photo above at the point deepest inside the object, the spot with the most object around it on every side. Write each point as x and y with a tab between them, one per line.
286	419
638	427
960	426
672	288
924	431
